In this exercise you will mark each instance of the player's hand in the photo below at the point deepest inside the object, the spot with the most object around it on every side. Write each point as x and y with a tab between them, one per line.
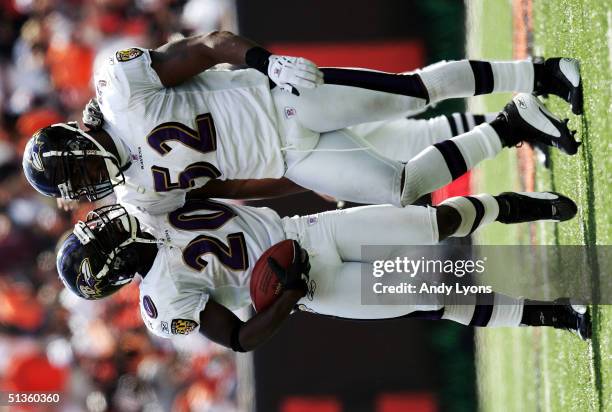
295	277
293	71
92	115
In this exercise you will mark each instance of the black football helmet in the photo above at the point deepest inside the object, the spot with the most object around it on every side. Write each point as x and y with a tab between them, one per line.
62	160
99	257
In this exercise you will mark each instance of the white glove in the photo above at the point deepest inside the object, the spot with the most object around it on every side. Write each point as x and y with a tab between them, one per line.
293	71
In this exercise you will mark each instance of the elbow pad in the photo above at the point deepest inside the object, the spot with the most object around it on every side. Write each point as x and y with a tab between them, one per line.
235	338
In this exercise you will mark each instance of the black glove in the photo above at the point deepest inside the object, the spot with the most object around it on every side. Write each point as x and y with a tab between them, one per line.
295	277
92	115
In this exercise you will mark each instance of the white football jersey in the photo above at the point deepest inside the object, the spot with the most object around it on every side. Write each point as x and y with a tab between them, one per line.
210	250
219	124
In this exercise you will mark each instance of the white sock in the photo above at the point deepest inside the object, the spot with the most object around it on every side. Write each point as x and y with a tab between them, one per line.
460	123
464	78
446	161
476	211
492	310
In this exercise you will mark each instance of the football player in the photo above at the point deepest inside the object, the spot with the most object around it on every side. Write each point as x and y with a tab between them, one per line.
174	123
398	139
196	263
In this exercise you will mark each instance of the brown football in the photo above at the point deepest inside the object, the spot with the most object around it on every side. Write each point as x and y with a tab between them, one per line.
265	287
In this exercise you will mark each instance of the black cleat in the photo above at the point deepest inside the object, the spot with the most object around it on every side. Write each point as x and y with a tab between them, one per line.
572	317
528	120
518	207
561	77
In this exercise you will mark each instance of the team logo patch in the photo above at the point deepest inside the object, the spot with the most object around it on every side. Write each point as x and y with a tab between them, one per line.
182	326
128	54
290	112
149	306
312	220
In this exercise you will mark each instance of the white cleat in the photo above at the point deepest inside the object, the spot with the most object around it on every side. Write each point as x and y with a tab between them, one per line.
561	76
530	121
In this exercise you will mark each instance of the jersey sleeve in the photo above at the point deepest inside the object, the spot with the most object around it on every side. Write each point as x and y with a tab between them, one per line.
150	202
180	317
127	77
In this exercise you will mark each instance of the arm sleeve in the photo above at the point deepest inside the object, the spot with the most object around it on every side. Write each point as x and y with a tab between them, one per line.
153	203
126	77
180	318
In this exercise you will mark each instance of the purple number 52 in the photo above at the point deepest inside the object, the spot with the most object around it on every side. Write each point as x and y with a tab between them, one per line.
204	140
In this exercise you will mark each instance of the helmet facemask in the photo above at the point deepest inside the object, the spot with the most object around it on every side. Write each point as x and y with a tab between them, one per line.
111	231
74	177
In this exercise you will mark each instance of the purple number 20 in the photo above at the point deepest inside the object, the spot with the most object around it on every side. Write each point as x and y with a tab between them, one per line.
204	140
233	255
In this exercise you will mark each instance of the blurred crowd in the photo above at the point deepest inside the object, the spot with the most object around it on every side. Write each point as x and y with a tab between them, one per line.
98	354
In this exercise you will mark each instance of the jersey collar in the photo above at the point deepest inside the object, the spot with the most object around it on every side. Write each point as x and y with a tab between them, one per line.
125	154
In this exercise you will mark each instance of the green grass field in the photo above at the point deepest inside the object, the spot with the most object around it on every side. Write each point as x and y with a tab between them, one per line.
542	369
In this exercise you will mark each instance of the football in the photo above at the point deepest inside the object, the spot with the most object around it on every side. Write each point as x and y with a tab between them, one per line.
265	287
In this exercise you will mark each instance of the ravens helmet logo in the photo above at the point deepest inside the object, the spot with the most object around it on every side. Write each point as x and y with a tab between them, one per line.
88	285
35	158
